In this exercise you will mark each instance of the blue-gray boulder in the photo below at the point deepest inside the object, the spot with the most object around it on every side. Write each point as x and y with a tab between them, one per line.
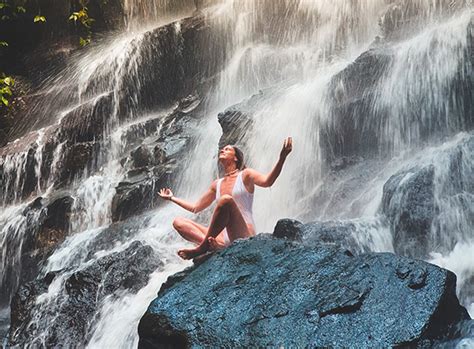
269	292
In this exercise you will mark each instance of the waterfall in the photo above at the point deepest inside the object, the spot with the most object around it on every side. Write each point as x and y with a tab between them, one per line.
292	66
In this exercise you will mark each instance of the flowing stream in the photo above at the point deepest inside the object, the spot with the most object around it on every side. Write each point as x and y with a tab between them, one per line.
286	54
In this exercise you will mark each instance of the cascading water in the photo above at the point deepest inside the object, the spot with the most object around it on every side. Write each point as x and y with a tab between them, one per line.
292	57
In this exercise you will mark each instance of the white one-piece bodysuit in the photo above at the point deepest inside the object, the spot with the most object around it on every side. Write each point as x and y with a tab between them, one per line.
242	198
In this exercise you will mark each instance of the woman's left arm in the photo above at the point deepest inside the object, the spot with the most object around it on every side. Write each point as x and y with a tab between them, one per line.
267	180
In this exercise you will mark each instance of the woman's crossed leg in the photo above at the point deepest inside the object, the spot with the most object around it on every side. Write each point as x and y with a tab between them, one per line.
226	215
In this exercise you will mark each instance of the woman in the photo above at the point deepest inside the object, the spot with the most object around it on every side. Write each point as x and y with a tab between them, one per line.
232	218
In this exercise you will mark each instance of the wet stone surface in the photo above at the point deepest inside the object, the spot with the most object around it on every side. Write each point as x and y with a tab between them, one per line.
318	296
81	294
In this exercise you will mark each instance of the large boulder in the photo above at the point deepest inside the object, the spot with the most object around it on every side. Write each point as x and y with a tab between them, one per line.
80	296
267	292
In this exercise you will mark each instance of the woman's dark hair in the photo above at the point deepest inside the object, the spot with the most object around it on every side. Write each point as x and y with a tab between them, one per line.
240	158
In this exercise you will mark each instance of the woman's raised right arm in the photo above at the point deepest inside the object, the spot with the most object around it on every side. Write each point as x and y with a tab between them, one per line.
203	202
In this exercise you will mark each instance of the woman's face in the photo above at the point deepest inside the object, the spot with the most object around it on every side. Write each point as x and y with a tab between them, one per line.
227	153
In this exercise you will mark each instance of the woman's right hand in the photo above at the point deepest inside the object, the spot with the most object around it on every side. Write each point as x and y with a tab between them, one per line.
166	193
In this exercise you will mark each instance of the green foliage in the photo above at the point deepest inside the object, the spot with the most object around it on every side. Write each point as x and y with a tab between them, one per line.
39	18
84	41
82	17
6	85
11	9
8	12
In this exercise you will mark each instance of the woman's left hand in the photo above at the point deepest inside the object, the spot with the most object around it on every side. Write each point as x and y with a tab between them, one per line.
287	148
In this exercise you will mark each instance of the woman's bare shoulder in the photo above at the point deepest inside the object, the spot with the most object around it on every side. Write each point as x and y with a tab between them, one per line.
247	174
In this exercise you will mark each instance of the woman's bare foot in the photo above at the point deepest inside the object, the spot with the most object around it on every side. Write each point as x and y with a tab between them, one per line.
190	253
214	244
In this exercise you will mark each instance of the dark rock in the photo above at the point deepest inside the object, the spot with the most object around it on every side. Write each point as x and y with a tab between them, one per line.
155	161
357	115
93	112
133	197
118	232
236	120
353	92
82	294
305	297
46	225
340	233
422	203
76	158
87	122
141	157
288	229
408	203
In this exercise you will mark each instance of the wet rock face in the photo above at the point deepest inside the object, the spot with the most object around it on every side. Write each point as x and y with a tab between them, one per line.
359	112
237	120
405	15
304	296
46	222
430	206
83	292
154	163
234	122
408	203
353	92
170	70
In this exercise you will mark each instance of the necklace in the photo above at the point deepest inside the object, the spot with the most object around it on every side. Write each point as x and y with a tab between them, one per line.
231	172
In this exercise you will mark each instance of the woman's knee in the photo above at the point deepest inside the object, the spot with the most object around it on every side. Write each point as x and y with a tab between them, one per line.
224	200
179	223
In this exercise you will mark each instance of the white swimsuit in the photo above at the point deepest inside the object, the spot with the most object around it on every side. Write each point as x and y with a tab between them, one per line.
242	198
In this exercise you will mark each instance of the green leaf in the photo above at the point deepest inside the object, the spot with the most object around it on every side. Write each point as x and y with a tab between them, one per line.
39	18
8	81
3	5
5	18
4	100
20	9
5	91
3	43
84	41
